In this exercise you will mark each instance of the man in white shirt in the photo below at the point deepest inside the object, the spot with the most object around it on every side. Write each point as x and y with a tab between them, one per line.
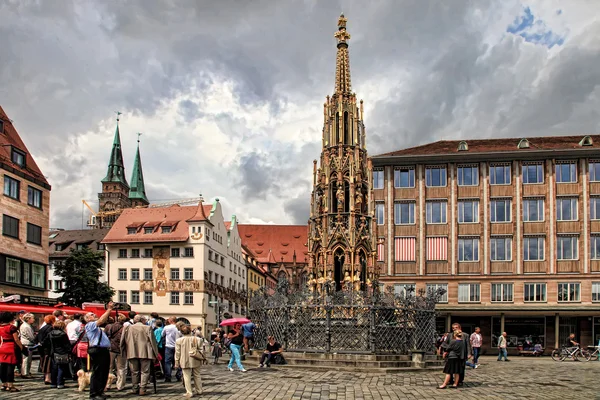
170	333
74	328
132	315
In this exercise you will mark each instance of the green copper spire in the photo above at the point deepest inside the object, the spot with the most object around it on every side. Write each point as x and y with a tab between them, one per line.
116	169
138	190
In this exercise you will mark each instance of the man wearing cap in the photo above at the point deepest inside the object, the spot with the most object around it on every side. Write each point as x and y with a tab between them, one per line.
98	350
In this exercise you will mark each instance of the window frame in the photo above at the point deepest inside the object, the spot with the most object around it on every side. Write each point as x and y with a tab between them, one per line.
122	253
175	252
120	295
12	181
121	271
474	245
474	176
493	211
133	273
31	193
595	247
377	179
474	211
443	212
429	176
536	286
473	297
594	208
434	287
398	177
146	271
505	174
146	294
186	301
185	274
398	212
539	239
6	225
539	172
380	206
175	274
404	287
507	248
596	285
569	292
557	175
574	247
22	154
188	252
33	229
527	215
592	167
574	212
133	294
148	253
502	292
174	295
135	253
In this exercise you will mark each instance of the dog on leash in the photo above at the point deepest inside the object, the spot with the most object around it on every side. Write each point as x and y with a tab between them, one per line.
83	379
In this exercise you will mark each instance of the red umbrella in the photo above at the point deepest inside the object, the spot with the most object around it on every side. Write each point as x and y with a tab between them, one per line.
233	321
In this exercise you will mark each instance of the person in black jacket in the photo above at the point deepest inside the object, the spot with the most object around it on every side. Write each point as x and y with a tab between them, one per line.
455	353
60	353
466	351
45	359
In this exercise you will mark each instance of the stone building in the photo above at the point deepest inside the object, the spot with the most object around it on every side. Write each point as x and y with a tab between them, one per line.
341	246
510	227
179	260
60	244
117	195
25	209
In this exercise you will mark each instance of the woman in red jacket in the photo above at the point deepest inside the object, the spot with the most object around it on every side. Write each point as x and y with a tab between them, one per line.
8	358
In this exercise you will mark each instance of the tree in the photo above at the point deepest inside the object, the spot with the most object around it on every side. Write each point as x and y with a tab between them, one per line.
81	278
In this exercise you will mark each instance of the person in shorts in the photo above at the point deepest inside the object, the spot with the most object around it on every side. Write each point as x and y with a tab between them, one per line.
248	331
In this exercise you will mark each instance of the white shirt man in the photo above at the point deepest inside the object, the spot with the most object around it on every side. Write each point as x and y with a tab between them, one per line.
74	328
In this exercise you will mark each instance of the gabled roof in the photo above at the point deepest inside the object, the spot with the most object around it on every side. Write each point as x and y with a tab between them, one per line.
175	216
271	243
476	146
10	138
91	237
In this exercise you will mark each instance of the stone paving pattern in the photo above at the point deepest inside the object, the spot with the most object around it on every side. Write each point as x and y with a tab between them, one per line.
521	378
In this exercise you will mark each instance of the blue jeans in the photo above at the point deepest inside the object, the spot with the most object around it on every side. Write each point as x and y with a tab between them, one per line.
170	363
58	373
476	354
502	353
235	356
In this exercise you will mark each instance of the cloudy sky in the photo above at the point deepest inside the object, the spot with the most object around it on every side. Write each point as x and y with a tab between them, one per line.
229	94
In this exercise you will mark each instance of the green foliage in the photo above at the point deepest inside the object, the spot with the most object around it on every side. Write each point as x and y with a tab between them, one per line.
81	278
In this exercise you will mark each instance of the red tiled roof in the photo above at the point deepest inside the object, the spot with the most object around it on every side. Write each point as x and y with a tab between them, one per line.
10	138
497	145
152	216
227	225
202	213
271	243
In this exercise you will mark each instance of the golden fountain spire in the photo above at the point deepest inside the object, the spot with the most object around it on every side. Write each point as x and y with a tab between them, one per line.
342	67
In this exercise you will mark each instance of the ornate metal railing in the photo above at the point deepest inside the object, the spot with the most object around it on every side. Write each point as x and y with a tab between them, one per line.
370	322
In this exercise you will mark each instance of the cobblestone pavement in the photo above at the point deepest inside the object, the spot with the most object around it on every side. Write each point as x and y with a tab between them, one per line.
521	378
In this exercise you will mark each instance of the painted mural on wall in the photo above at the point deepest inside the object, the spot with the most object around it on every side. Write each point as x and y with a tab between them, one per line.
160	269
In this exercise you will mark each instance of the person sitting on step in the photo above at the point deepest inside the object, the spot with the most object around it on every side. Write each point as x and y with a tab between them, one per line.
273	349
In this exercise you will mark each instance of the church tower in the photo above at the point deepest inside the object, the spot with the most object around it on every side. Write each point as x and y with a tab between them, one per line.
341	237
115	190
137	192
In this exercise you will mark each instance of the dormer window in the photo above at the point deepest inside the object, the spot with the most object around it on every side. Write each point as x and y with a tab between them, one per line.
463	146
131	231
165	229
148	231
523	144
18	157
586	141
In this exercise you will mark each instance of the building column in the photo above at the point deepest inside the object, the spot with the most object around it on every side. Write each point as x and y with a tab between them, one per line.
422	245
501	323
586	215
486	223
391	259
449	322
452	241
556	330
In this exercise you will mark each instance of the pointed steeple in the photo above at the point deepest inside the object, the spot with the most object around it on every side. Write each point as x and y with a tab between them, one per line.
343	84
138	190
116	169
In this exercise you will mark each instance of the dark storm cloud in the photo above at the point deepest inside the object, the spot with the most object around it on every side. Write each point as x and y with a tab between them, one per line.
67	68
298	208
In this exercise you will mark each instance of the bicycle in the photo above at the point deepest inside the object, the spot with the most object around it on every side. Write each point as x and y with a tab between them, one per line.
569	352
593	355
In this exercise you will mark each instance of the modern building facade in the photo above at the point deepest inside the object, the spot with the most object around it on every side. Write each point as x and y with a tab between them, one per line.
62	242
179	260
341	246
24	206
510	227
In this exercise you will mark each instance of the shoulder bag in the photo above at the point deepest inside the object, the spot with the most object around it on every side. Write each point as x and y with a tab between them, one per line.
60	359
94	349
196	354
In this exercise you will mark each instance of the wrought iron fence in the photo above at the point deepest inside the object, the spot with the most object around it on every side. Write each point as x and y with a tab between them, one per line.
370	322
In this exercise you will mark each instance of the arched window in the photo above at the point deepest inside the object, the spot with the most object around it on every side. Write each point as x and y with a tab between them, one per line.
346	128
337	128
281	276
304	279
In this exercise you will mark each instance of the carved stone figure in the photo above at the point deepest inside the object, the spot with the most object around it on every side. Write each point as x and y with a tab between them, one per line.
340	198
357	280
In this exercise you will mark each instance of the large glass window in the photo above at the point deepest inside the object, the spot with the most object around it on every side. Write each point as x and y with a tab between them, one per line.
566	247
436	212
10	226
500	174
433	287
520	331
147	274
500	210
401	289
122	274
595	208
188	274
501	249
147	297
174	297
38	280
188	298
468	211
533	173
378	179
135	274
135	297
175	274
469	292
379	213
569	291
404	213
595	247
404	178
34	197
534	292
502	292
566	209
468	175
533	249
435	176
122	296
566	172
595	291
13	270
595	171
533	210
468	249
11	187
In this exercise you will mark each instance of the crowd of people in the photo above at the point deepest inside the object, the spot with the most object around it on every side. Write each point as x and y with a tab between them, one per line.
102	351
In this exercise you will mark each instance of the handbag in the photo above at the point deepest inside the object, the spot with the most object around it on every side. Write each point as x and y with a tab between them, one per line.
196	354
59	359
75	349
